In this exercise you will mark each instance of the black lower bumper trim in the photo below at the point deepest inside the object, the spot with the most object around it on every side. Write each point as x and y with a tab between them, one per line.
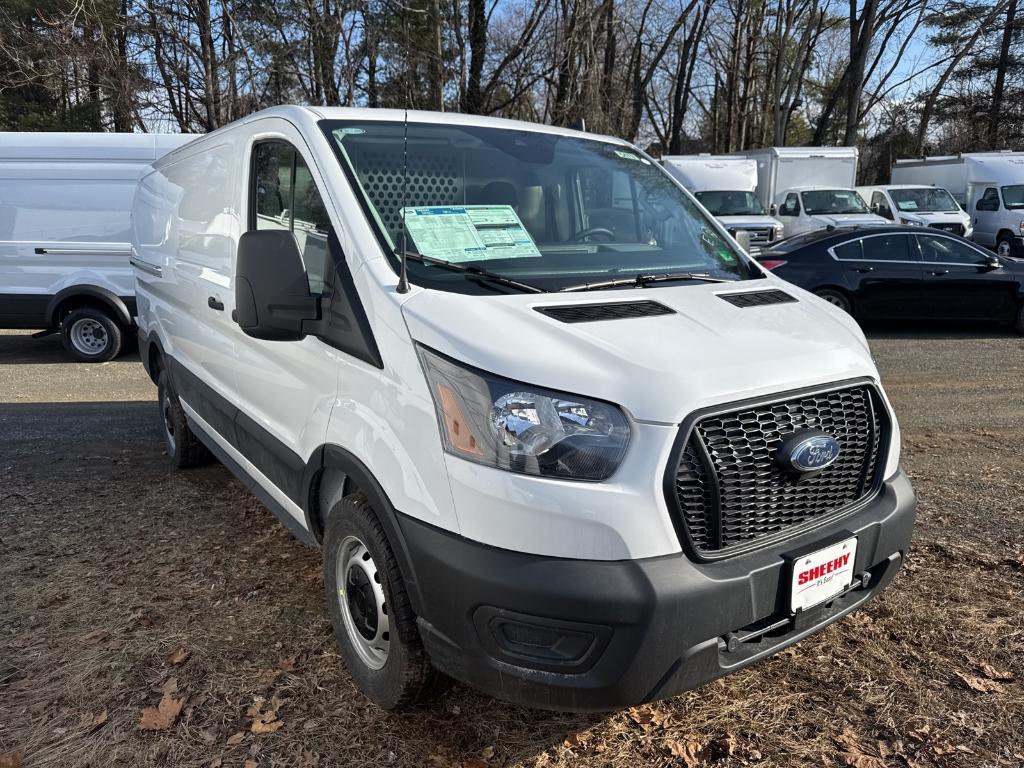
608	634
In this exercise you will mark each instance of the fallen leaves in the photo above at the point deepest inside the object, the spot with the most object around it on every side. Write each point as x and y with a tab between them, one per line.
179	656
162	717
93	722
980	684
265	720
690	750
235	739
995	674
10	760
96	636
854	754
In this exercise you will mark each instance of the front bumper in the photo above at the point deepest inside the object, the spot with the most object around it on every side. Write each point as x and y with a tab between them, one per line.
597	635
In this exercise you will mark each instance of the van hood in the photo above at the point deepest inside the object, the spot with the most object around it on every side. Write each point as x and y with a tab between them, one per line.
658	368
851	220
749	222
935	217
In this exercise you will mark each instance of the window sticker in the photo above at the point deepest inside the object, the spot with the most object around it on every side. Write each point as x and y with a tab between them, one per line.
631	156
907	205
345	131
469	232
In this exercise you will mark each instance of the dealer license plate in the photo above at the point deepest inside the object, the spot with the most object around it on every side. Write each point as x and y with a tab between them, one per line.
821	575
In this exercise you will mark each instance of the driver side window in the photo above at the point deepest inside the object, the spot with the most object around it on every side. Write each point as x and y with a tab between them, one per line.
792	205
988	201
880	206
283	195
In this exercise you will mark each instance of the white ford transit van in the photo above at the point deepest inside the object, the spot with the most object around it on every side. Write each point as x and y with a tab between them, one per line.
589	454
65	208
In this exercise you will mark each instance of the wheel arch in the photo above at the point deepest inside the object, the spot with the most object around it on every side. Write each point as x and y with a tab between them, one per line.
87	295
152	355
333	473
845	292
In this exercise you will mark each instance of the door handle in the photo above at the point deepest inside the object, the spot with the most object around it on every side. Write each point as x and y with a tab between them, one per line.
939	272
215	303
864	270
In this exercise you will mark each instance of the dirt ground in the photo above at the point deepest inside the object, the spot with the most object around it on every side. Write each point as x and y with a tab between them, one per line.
132	595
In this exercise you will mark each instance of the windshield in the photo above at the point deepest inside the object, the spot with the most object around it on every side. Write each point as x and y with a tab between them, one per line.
731	203
547	210
925	199
1013	197
833	201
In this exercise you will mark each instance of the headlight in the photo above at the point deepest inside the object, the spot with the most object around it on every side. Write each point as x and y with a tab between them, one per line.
508	425
911	222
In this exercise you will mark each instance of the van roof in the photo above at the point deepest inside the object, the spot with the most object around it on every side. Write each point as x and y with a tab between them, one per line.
303	114
803	151
89	147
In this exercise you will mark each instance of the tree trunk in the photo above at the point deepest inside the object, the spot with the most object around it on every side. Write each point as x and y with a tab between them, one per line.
477	21
1001	67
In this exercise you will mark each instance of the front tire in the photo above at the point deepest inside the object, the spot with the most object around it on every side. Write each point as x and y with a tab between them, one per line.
836	299
91	335
1018	324
374	625
183	448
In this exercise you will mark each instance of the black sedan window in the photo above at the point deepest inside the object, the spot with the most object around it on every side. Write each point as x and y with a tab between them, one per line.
850	251
888	248
946	250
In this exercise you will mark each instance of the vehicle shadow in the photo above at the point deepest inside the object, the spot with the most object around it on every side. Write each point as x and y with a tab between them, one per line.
19	348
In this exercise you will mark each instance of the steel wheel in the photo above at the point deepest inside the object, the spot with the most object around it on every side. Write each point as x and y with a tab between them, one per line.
364	609
1004	249
166	410
88	336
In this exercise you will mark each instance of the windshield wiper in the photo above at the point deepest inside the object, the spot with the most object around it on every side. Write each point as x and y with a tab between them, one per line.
641	280
472	272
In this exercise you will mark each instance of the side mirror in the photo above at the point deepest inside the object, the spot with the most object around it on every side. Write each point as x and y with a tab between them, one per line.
992	262
773	209
742	237
272	299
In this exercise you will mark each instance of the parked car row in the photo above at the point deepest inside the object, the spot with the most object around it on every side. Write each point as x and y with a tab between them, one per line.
779	192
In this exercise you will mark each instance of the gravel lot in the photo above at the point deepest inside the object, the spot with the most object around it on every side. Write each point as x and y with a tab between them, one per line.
126	586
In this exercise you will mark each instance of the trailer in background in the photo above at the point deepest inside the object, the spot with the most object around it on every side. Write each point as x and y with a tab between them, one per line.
809	188
990	187
726	186
65	229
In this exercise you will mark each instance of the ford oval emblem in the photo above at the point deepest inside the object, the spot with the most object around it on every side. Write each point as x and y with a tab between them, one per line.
808	451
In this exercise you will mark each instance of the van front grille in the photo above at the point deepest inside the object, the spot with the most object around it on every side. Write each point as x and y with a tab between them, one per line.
729	493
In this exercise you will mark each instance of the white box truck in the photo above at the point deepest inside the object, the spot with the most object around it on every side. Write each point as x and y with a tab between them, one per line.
727	186
918	206
65	226
809	188
989	185
456	391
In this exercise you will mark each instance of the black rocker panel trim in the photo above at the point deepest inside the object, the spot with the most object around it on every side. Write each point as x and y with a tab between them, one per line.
256	489
24	310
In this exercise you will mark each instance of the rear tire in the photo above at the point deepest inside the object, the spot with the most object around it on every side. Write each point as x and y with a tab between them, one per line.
183	447
1004	246
91	335
836	299
374	624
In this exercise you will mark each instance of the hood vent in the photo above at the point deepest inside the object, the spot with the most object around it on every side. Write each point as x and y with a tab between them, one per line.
616	310
757	298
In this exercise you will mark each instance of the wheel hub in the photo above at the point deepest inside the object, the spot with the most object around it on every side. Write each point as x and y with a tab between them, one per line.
363	606
89	336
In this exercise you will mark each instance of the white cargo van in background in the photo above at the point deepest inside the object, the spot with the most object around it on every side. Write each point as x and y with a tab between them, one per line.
65	209
990	187
588	454
727	186
809	188
918	206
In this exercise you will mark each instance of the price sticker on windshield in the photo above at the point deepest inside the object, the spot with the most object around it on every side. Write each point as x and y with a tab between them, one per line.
460	233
